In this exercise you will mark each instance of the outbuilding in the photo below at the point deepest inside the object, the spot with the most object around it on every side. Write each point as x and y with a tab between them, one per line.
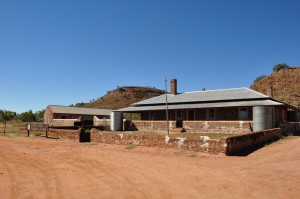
67	115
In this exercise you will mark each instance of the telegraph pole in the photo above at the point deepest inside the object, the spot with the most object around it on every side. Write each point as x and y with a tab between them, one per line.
167	111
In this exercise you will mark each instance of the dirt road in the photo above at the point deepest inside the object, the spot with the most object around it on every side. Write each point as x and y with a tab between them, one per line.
45	168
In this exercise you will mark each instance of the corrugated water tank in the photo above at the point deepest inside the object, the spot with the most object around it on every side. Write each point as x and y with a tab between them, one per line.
116	121
263	117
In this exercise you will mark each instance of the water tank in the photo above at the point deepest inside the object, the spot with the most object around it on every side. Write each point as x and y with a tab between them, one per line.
116	121
262	118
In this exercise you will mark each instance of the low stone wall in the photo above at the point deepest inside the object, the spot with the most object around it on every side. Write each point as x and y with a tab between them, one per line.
64	134
203	144
234	127
248	142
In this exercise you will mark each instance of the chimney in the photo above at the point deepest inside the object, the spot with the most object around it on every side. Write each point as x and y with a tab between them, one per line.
173	86
269	91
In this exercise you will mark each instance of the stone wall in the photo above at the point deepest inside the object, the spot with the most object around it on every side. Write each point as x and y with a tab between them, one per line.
48	115
64	134
234	127
202	144
251	141
64	122
234	145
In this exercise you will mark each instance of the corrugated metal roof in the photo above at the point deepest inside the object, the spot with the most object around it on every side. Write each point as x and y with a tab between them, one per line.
79	110
266	102
205	96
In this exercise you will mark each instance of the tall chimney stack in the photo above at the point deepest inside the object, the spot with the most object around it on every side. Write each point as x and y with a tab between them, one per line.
270	91
173	86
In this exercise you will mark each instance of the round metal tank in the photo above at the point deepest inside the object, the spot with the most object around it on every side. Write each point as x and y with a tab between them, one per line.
262	118
116	121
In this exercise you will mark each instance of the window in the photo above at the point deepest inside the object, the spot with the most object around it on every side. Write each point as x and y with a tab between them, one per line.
243	114
211	114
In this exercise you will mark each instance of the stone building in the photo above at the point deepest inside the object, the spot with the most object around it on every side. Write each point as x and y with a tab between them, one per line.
237	110
66	116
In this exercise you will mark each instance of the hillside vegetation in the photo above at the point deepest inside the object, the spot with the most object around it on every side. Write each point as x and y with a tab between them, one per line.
124	97
285	83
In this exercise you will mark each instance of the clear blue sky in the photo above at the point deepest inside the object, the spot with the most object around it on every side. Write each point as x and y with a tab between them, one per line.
63	52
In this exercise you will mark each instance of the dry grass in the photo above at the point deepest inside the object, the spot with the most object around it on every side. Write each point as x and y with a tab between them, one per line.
12	128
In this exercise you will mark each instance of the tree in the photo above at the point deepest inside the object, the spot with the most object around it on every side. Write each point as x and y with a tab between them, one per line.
39	115
259	78
28	116
278	67
6	116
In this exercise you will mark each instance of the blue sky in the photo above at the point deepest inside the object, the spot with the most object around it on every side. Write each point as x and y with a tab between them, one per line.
63	52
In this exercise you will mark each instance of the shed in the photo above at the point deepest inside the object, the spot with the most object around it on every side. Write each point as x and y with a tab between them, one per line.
56	115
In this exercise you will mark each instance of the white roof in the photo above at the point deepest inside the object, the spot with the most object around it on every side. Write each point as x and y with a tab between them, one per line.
79	110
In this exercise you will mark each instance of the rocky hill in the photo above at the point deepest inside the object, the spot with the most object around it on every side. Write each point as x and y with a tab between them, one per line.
123	97
285	84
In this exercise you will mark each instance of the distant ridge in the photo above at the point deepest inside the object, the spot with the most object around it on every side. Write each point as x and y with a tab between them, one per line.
285	84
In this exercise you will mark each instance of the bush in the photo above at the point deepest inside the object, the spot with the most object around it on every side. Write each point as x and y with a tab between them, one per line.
28	116
259	78
278	67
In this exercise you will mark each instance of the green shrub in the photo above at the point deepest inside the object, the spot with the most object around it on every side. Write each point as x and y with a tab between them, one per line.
278	67
259	78
130	146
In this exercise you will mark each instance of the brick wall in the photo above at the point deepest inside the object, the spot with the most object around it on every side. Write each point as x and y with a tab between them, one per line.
156	140
233	127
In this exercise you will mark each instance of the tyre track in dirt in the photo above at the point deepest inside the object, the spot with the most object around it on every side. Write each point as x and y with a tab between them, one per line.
44	174
7	184
109	176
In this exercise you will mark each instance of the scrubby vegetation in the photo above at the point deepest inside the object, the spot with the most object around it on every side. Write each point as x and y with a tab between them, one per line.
285	83
259	78
123	97
278	67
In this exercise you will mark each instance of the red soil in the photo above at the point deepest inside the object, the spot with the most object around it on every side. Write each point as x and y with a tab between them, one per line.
45	168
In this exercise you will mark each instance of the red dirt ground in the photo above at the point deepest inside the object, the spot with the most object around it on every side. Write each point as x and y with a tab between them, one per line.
45	168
